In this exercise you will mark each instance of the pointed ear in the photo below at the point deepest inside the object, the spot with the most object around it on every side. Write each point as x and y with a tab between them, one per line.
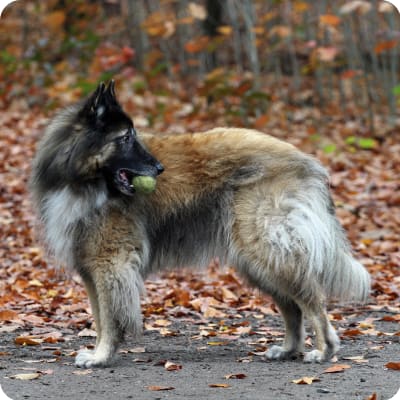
93	103
111	90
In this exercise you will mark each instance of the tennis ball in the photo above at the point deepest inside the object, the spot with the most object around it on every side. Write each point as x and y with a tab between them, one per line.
144	184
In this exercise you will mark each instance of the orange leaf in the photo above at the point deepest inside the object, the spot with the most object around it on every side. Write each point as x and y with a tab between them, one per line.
329	19
28	341
197	45
225	30
336	368
55	19
261	121
393	365
158	388
352	332
384	46
8	315
301	6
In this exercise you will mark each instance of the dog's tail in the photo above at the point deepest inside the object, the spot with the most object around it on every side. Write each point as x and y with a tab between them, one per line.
346	279
330	254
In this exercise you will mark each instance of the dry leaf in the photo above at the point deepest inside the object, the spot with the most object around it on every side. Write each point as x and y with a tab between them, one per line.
228	295
393	365
218	385
8	315
329	19
197	11
216	343
159	388
82	372
235	376
170	366
162	323
87	333
137	350
306	380
28	340
336	368
26	377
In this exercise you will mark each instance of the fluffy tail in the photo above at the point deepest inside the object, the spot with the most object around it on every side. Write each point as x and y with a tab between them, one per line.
347	279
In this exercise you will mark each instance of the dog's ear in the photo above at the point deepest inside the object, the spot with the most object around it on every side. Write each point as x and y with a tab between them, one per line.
110	91
101	100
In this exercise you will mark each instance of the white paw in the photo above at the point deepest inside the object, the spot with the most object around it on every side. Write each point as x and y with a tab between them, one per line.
89	358
279	353
315	356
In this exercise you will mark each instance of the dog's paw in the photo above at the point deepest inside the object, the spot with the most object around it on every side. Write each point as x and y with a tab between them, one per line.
279	353
314	356
89	359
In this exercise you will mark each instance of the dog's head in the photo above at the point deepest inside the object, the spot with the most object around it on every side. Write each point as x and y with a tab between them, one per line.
116	152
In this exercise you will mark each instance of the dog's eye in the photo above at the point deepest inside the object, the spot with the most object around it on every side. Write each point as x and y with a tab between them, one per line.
126	138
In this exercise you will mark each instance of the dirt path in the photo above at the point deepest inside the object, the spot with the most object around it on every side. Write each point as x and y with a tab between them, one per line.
204	362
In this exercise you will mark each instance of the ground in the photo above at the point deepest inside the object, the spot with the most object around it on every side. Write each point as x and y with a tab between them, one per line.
195	362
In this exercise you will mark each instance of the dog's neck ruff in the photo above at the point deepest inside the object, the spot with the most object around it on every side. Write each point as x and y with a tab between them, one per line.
61	212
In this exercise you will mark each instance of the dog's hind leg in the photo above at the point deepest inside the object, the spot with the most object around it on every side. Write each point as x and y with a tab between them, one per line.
294	330
327	341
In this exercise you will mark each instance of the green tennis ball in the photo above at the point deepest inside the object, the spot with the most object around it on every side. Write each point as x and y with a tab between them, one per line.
144	184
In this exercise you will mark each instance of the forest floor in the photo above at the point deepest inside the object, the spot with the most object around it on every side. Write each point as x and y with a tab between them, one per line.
201	328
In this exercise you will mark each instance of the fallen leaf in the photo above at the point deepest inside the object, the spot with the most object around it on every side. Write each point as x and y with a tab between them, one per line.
235	376
217	343
218	385
137	350
83	372
352	332
336	368
28	341
158	388
26	377
356	359
162	323
306	380
87	333
393	365
170	366
8	315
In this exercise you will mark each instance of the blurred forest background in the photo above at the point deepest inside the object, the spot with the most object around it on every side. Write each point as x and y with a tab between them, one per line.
240	60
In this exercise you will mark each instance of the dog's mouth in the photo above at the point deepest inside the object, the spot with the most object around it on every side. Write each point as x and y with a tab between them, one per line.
125	183
123	179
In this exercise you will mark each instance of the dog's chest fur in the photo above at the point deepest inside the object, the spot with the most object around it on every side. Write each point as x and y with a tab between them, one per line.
61	212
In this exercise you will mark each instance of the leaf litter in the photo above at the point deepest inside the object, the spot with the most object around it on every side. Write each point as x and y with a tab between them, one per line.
44	306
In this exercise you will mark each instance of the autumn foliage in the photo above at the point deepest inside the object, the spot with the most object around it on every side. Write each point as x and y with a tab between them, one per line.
300	72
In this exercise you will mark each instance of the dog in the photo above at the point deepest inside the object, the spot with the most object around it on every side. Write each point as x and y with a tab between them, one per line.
254	201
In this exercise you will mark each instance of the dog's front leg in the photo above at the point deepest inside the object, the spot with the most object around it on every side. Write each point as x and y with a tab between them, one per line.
114	292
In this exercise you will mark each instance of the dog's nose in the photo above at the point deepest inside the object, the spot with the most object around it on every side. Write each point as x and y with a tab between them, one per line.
160	168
